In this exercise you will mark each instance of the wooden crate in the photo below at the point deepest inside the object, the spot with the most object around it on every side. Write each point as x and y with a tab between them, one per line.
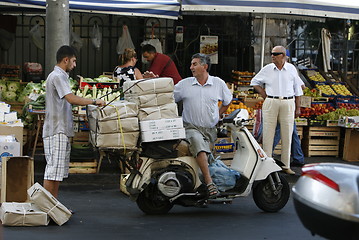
17	175
89	166
351	141
321	141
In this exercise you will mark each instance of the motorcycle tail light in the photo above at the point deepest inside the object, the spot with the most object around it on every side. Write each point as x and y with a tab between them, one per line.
316	175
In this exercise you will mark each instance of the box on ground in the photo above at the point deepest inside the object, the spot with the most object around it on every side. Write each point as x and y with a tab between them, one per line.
17	176
22	214
160	135
49	204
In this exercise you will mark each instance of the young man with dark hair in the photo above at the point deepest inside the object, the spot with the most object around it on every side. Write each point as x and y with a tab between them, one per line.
58	124
161	64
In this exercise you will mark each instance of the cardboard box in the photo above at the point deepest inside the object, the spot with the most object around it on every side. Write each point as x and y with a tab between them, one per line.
16	129
159	112
160	135
9	149
17	176
349	122
148	86
115	140
151	100
115	125
49	204
23	214
161	124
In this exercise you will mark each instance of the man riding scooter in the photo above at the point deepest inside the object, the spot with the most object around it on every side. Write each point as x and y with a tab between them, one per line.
200	95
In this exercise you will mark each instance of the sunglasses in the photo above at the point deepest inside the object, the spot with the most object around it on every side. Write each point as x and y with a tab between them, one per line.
276	53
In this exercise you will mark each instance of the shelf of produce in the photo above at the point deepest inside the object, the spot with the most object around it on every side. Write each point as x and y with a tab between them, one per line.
321	141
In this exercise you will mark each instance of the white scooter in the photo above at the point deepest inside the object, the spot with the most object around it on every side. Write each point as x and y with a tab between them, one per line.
157	184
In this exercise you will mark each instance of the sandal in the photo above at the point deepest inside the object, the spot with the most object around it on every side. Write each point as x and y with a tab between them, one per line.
212	190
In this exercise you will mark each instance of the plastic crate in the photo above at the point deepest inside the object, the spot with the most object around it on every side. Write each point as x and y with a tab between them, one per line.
224	147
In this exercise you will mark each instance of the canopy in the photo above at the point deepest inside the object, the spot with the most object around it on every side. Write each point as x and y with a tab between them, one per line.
345	9
147	8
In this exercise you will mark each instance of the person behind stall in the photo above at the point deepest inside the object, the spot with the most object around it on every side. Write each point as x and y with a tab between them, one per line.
127	70
200	95
161	64
58	124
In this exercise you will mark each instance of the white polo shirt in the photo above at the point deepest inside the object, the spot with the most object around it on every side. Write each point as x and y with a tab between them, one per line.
282	83
200	103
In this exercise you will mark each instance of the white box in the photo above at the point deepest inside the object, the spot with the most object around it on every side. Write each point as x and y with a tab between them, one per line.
160	135
49	204
10	117
23	214
10	149
4	107
161	124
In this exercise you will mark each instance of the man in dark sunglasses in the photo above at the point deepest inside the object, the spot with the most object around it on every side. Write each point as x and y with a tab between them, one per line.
280	86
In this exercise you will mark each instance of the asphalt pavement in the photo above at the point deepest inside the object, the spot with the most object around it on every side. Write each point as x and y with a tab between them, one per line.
103	212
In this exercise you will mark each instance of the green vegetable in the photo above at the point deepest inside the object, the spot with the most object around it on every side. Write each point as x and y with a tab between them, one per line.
3	86
9	96
13	86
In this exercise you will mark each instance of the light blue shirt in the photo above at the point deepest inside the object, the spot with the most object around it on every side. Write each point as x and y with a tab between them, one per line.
200	103
282	83
58	115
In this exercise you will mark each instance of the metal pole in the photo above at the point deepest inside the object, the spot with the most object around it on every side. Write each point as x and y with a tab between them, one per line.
264	24
57	30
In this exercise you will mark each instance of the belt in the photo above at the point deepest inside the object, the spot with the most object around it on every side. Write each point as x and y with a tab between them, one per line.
276	97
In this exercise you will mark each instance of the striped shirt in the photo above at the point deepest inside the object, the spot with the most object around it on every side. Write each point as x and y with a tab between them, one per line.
200	103
58	116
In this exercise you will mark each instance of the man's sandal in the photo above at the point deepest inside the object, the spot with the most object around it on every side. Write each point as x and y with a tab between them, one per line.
212	190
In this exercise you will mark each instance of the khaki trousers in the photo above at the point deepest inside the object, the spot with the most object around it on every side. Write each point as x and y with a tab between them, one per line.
282	111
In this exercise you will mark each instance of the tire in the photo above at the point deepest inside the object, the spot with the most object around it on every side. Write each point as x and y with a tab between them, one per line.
265	198
150	202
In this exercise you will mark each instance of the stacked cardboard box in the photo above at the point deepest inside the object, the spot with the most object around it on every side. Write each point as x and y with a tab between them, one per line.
115	126
158	114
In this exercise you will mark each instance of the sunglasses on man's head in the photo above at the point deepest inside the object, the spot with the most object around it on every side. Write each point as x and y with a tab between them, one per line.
276	53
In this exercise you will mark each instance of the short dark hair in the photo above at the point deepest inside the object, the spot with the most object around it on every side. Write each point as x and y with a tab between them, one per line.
203	59
149	48
65	51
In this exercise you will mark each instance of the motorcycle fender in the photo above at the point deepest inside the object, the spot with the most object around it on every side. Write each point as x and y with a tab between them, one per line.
267	167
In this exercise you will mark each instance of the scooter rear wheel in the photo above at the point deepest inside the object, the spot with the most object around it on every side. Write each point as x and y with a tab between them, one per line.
266	199
149	202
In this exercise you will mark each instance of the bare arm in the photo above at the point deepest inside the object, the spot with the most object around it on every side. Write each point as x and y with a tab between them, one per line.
138	74
76	100
222	109
260	90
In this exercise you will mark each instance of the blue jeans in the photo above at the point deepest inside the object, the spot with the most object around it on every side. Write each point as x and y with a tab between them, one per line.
296	149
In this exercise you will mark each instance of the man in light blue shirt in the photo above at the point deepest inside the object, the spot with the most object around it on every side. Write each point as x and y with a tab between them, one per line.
200	95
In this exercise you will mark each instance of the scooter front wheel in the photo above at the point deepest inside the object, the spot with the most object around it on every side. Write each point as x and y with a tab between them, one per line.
150	203
269	199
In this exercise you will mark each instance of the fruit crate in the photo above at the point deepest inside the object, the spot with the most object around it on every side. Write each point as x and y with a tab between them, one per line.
321	141
85	167
301	121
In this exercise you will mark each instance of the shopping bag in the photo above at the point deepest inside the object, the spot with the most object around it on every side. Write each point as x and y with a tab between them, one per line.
124	41
96	36
35	36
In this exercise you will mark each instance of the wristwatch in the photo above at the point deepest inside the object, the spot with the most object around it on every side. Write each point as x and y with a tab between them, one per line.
93	101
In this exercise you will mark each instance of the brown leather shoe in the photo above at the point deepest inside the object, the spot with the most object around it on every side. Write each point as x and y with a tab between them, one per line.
288	171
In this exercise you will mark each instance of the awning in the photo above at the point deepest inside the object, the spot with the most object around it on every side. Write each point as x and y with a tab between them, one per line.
146	8
344	9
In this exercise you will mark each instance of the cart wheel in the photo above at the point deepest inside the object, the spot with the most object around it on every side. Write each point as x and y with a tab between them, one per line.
266	199
151	203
